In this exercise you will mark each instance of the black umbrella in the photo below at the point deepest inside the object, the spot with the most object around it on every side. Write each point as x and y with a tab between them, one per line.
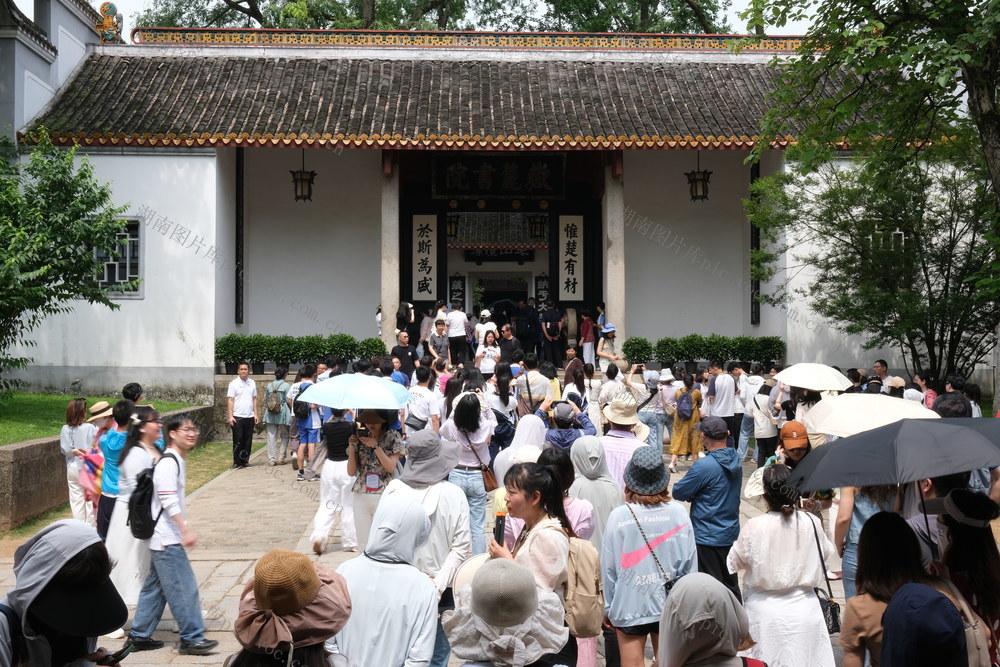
905	451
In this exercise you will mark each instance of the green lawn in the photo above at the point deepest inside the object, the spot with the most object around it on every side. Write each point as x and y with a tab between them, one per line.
203	465
30	416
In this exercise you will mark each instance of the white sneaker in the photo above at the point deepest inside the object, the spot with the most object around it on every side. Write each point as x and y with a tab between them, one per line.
117	634
702	455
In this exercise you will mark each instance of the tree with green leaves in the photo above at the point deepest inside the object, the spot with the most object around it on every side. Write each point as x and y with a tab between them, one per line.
54	217
663	16
307	14
889	77
888	261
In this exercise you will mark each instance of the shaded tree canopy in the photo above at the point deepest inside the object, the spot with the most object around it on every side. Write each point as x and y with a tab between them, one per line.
886	250
664	16
54	215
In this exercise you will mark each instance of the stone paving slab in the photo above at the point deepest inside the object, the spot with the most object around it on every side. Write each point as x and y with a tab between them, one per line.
238	517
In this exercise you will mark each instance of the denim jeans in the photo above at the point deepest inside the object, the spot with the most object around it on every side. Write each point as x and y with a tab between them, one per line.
655	421
442	649
849	567
471	482
170	581
746	430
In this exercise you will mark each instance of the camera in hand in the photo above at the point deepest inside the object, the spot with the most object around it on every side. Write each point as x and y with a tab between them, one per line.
362	431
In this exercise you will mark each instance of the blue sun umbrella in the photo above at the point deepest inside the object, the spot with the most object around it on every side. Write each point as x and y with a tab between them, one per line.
357	391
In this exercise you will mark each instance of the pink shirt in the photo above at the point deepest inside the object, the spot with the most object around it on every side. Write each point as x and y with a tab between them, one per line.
618	449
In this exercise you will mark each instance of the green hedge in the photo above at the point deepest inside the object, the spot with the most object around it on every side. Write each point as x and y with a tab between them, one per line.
285	350
695	347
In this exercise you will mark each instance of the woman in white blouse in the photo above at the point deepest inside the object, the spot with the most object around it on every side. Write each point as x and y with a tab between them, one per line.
471	425
779	555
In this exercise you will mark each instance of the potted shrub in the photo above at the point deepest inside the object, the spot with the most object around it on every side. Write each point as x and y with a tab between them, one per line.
771	349
369	348
666	352
718	348
284	350
637	350
256	348
228	350
342	346
742	350
312	349
691	348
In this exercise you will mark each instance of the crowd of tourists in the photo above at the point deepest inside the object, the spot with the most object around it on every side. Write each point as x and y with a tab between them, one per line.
519	511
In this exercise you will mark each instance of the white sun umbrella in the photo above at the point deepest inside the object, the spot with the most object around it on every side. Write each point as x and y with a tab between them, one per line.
357	391
818	377
849	414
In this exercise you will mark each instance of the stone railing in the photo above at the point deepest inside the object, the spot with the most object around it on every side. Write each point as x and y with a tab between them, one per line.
33	473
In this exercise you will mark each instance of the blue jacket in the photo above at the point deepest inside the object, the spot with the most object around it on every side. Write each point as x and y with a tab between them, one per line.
712	485
563	438
111	446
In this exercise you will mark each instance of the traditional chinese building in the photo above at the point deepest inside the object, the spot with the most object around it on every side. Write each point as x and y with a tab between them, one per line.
426	166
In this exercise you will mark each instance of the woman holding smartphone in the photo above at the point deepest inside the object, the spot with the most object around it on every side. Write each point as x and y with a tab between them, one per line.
373	453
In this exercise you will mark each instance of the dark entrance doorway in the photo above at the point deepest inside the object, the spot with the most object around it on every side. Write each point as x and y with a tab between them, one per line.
500	293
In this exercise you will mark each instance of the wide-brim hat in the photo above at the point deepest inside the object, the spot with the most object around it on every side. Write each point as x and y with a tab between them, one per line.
504	593
429	459
60	607
622	409
645	473
99	410
609	328
666	375
467	570
369	416
291	600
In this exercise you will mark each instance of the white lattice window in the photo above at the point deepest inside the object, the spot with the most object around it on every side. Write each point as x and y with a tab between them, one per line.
116	271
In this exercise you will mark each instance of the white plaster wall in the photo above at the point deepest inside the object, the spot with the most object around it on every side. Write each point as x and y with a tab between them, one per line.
225	235
165	338
689	275
313	267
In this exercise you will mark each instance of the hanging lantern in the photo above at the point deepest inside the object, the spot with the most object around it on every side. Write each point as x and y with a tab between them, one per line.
451	228
698	182
303	181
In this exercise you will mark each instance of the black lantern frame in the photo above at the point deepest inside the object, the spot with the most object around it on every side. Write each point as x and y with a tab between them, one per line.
302	181
698	182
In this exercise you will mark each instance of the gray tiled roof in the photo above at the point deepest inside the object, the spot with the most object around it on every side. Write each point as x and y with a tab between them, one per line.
186	100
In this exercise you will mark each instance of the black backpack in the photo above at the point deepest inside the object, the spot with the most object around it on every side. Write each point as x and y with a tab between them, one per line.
140	504
503	435
300	409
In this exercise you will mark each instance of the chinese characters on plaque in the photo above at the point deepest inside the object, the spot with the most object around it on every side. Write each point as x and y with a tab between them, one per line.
570	254
425	253
541	288
456	289
533	176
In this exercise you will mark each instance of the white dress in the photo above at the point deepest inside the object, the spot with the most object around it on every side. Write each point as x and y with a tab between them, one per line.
781	567
129	555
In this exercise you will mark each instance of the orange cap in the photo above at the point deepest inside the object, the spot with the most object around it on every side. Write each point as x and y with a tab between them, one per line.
792	434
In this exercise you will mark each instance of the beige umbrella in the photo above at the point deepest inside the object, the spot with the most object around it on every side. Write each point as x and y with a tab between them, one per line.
849	414
818	377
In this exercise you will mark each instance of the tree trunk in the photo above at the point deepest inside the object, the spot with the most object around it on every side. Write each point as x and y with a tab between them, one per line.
700	16
367	13
981	85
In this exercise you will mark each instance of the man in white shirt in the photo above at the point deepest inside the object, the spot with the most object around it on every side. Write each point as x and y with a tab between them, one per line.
241	400
881	370
424	411
428	462
171	579
723	404
457	340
